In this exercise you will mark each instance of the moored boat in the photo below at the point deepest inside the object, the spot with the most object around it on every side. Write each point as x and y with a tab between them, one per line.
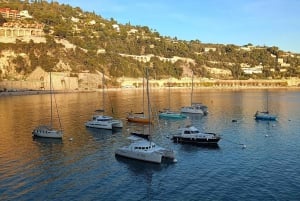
104	122
145	150
171	115
191	135
48	131
195	108
137	118
265	116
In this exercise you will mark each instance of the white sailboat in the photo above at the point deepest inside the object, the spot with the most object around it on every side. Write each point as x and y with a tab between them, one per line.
102	121
47	131
194	108
145	150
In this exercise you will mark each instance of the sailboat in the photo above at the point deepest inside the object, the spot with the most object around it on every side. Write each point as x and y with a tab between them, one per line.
47	131
265	115
167	113
138	117
194	108
143	149
102	121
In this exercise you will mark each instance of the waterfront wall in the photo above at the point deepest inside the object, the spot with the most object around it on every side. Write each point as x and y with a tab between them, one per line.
62	81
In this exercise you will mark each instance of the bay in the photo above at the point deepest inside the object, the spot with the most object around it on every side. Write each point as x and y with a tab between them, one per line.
255	160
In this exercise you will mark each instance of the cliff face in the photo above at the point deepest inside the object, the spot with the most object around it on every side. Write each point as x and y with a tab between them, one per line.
8	59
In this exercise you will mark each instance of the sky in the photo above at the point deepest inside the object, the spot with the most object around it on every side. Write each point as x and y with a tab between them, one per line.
239	22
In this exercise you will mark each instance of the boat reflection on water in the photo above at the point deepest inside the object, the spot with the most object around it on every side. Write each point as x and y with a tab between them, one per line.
103	133
47	140
204	146
140	167
143	173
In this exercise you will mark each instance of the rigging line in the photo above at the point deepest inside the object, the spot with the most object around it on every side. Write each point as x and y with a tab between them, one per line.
60	125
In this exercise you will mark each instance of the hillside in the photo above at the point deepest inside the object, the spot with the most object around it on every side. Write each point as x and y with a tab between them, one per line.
58	37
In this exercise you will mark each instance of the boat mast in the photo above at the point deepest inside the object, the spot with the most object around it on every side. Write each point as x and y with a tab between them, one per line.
169	83
143	96
267	100
103	97
51	100
192	87
148	101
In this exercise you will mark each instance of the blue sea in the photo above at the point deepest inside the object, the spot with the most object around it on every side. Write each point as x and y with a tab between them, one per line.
255	160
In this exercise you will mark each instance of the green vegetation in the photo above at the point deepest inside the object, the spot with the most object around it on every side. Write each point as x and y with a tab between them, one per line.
90	32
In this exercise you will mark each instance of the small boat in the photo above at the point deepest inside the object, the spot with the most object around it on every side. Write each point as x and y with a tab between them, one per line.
137	118
47	131
265	116
171	114
195	108
191	135
102	121
145	150
167	113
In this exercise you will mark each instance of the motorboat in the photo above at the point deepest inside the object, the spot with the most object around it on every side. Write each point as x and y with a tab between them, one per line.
192	135
48	131
145	150
104	122
265	116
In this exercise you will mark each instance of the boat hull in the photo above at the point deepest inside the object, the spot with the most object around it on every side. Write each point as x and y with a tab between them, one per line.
138	120
198	141
104	125
265	116
172	115
191	110
47	132
140	155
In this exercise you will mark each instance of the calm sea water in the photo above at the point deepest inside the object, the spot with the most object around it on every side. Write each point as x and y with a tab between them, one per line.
86	168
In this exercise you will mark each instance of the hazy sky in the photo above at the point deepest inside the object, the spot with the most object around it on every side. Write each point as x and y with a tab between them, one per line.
239	22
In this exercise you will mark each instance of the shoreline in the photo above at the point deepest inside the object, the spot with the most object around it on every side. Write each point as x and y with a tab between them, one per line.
39	92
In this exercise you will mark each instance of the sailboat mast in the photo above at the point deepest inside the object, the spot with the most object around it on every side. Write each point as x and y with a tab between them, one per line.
103	97
51	100
192	87
148	101
143	96
169	95
267	100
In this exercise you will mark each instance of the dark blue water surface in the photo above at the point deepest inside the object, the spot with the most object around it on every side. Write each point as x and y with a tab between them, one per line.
255	160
